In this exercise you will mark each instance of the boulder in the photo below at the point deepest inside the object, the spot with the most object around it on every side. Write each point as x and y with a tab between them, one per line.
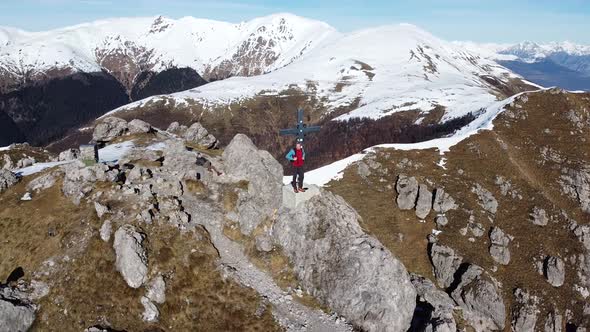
525	311
441	318
156	290
131	258
554	271
576	184
264	175
106	230
479	296
445	263
539	217
407	192
8	164
424	202
137	126
486	200
7	179
150	311
499	246
291	199
43	182
264	243
101	210
25	162
17	313
441	220
69	154
197	134
345	269
553	322
109	128
443	202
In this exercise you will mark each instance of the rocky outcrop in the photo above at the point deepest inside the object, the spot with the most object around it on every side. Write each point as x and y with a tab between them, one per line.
486	200
407	192
131	259
79	180
7	179
424	202
156	290
539	216
17	313
445	263
479	295
109	128
69	154
443	202
150	311
576	184
553	322
344	268
525	311
499	246
554	271
137	126
441	317
196	134
264	175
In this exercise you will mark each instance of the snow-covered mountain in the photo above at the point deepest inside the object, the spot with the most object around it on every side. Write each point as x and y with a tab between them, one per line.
127	46
382	70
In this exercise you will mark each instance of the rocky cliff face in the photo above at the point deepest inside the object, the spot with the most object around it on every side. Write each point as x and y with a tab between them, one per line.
498	223
156	217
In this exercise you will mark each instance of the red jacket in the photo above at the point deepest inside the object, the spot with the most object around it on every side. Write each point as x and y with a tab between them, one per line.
299	161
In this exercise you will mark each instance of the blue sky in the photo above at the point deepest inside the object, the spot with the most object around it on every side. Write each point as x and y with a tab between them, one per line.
477	20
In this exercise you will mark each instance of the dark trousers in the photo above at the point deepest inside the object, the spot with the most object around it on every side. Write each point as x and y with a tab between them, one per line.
298	174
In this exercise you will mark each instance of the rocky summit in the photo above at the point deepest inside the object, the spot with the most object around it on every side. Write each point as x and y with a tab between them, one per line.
151	236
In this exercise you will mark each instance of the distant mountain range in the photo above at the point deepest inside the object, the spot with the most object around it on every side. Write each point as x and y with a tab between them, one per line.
563	64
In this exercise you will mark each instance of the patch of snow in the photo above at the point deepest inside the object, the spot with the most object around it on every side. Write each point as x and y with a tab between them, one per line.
323	175
114	152
5	148
39	167
26	197
160	146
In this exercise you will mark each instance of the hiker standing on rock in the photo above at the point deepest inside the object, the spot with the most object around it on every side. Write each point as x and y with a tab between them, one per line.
297	158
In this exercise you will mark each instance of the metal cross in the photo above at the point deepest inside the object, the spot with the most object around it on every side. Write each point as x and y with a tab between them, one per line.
301	128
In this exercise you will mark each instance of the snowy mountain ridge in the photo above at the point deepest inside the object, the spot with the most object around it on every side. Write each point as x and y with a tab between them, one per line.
385	70
214	49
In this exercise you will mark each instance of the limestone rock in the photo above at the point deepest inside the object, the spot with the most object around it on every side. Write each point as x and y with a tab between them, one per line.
69	154
499	246
16	312
137	126
131	260
43	182
487	201
344	268
539	217
292	199
553	322
525	311
101	210
445	263
109	128
407	192
424	202
554	271
198	134
105	231
7	179
150	311
264	243
25	162
441	318
576	184
264	175
479	296
156	290
441	220
8	164
443	202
